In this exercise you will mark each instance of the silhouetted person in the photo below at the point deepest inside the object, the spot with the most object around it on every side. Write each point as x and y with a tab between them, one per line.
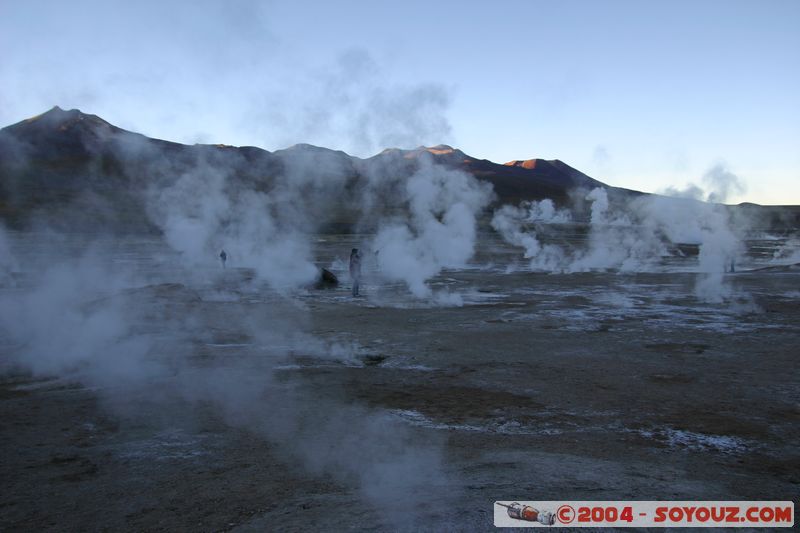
355	269
223	257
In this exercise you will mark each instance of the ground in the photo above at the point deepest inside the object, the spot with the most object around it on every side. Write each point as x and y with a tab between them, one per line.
316	411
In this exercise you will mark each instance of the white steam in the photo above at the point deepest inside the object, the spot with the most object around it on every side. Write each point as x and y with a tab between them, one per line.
127	335
513	223
65	325
439	230
353	106
721	185
632	237
242	222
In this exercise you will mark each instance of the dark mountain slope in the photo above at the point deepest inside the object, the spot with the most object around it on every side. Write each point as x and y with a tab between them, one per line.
78	169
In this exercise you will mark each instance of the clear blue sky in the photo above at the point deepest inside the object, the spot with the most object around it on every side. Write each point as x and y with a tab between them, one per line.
639	94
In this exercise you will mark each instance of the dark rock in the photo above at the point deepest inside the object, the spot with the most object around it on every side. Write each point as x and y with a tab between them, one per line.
326	279
374	360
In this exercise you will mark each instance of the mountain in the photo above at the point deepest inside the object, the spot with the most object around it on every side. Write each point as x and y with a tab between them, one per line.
66	165
536	179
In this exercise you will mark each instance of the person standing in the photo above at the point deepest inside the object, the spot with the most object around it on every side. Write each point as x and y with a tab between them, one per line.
223	257
355	270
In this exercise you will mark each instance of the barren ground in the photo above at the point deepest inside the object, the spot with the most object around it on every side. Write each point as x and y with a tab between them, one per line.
592	386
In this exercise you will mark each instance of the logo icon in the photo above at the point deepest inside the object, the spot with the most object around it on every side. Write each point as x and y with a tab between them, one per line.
525	512
565	514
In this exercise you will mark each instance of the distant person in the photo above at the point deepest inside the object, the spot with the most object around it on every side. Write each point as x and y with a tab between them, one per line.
223	257
355	269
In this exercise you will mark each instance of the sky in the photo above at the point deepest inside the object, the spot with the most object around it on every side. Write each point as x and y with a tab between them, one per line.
648	95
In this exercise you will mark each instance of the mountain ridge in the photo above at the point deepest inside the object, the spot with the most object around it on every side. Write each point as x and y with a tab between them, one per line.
61	157
66	120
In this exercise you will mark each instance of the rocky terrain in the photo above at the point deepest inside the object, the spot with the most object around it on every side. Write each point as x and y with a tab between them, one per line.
318	411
